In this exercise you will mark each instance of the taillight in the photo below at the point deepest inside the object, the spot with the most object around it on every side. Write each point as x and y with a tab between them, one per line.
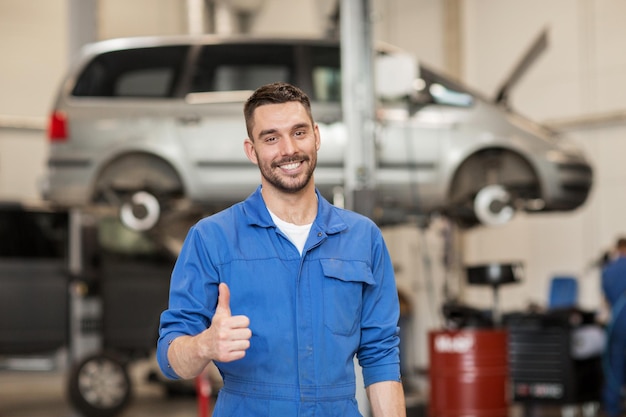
57	127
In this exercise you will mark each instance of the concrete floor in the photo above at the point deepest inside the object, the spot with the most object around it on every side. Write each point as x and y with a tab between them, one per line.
43	394
27	390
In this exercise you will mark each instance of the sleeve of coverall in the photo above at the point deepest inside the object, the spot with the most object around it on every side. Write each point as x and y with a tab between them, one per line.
194	281
379	353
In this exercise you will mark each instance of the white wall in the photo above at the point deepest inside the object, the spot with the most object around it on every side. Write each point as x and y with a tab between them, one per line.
120	18
33	47
33	55
414	25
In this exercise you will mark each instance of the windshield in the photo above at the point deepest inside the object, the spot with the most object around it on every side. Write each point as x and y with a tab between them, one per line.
436	89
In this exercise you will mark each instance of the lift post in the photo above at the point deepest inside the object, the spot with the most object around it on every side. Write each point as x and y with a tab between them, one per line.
85	309
358	105
358	114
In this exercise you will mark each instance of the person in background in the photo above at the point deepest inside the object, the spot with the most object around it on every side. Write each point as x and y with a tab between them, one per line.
282	290
614	290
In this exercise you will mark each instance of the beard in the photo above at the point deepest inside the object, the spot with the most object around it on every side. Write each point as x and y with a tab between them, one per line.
289	183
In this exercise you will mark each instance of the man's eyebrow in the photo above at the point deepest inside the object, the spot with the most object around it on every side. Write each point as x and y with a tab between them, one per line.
267	132
271	131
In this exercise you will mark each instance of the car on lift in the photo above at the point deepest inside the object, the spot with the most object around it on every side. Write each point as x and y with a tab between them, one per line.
148	125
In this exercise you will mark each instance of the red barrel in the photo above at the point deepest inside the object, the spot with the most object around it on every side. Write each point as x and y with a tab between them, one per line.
468	373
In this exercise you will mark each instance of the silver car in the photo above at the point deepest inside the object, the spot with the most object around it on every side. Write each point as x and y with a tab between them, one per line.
143	124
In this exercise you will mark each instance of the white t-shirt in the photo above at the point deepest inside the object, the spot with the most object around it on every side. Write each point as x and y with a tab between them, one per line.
296	233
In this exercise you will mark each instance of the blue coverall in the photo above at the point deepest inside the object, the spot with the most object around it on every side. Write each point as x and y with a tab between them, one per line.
309	315
614	289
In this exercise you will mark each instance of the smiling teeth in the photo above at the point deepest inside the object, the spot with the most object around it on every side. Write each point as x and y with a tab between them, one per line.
291	166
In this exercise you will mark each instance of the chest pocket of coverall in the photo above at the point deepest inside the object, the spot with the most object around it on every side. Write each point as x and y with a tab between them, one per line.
344	282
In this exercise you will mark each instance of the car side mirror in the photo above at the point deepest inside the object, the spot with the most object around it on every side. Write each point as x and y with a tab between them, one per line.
395	75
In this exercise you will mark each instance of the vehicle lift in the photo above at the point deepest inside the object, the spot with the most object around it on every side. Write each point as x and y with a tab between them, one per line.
93	370
85	309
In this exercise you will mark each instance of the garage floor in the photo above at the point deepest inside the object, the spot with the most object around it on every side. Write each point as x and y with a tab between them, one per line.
42	394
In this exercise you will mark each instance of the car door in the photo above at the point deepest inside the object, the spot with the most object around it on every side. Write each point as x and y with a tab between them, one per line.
210	123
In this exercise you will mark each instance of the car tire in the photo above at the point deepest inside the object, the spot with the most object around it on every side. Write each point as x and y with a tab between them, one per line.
99	386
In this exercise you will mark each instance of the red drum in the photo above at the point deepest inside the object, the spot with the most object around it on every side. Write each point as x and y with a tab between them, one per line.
468	373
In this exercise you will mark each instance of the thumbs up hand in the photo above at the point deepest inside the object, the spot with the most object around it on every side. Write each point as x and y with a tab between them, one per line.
228	337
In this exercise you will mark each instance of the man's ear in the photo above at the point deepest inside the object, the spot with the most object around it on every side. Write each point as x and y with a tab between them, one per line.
248	147
318	141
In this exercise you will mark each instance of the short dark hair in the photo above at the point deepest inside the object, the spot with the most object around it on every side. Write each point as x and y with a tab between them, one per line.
621	243
275	93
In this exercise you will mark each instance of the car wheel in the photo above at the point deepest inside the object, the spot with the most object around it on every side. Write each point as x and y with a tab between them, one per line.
493	205
99	386
140	187
489	187
141	211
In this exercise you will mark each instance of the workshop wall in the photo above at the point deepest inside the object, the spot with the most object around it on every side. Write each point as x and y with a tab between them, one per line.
34	54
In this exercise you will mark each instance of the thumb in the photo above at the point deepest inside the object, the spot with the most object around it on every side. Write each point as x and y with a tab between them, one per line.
223	300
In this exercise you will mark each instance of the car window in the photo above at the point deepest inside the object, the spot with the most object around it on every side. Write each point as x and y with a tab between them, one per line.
326	73
440	90
443	94
133	73
152	82
230	67
248	77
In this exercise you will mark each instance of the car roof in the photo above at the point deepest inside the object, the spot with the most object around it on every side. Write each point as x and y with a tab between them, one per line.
115	44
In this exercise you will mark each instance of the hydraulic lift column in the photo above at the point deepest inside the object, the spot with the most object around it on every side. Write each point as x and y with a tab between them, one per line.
85	308
358	105
358	114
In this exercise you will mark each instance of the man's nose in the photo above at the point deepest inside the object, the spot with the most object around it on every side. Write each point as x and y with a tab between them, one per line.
288	145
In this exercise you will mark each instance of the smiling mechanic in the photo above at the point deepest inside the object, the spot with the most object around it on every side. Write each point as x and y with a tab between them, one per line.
282	290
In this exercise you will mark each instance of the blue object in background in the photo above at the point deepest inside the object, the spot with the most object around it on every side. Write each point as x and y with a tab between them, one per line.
563	292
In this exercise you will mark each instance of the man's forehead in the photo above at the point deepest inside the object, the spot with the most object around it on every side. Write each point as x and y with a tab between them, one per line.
278	108
280	116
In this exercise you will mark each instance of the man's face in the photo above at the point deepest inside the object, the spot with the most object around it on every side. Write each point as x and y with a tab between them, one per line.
284	145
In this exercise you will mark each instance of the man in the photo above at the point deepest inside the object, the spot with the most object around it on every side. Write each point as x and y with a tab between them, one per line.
283	289
614	289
